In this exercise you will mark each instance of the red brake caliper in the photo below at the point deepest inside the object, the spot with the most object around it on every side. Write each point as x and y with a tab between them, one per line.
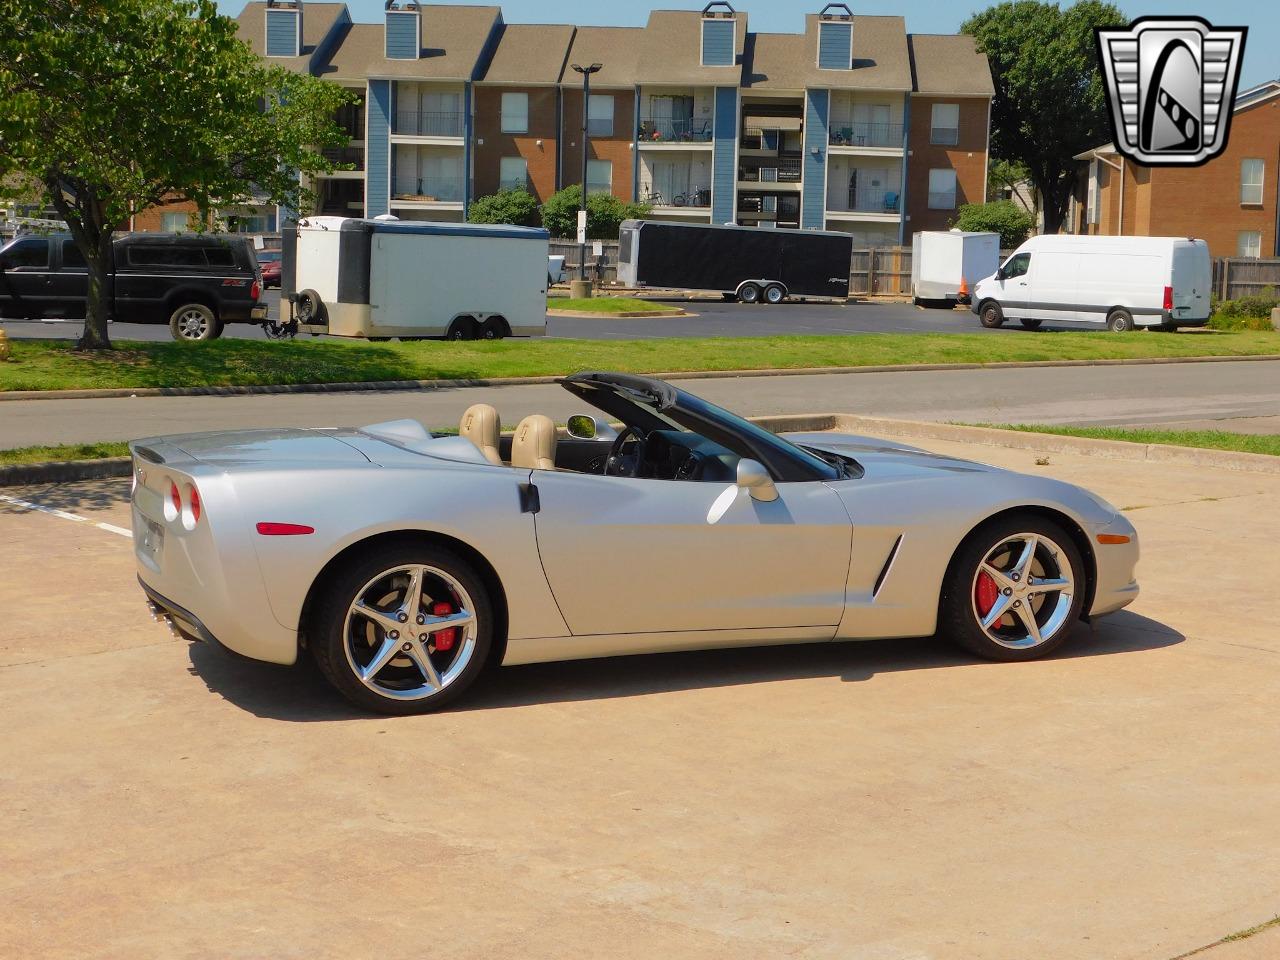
445	639
986	593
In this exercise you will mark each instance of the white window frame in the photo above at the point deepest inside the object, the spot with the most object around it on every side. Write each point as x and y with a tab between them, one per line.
1249	244
1250	188
939	193
515	120
594	181
596	113
702	43
506	175
166	219
934	128
817	59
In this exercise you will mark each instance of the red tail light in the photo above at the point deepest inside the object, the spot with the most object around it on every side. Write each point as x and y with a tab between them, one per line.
195	505
255	290
175	496
284	529
1168	298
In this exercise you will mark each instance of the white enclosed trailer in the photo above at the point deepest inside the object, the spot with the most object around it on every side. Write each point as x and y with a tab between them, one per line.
941	259
350	277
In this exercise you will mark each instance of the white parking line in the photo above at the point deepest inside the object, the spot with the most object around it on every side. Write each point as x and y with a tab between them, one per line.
28	505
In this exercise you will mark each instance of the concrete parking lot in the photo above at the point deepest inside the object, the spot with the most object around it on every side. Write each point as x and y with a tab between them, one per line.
876	801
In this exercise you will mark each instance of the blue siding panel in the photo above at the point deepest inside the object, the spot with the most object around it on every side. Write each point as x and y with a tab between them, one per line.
377	174
724	156
282	33
834	46
902	195
402	36
813	197
718	43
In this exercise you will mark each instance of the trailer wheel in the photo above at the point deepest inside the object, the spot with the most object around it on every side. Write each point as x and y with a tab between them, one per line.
774	293
495	328
309	308
463	328
749	293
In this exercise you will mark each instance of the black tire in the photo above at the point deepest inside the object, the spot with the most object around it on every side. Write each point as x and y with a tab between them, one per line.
309	308
1167	327
957	616
774	294
1031	324
1119	320
194	323
463	328
495	328
749	293
990	315
327	625
378	339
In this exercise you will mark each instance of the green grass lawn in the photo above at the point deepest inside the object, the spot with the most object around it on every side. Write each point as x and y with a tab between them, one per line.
55	365
607	305
1268	443
68	451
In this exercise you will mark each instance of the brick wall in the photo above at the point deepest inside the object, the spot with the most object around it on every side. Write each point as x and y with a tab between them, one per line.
617	148
968	158
152	220
541	160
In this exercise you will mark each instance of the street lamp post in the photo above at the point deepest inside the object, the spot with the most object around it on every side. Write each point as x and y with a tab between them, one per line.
586	72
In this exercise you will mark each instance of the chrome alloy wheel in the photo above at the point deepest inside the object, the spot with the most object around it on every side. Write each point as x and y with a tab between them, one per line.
410	632
193	324
1023	590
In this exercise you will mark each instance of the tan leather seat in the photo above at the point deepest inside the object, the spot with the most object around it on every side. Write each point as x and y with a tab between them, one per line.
482	426
534	443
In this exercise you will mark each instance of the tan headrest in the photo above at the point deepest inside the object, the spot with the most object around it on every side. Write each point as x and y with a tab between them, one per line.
534	444
482	426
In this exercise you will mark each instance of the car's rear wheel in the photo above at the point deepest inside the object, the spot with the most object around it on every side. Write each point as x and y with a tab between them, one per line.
1030	324
990	315
194	322
404	629
749	293
1120	320
1014	589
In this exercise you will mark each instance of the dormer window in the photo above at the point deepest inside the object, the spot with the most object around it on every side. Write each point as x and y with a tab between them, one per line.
284	28
719	35
835	37
403	30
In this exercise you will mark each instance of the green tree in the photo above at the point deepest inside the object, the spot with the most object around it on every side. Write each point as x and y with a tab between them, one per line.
1002	216
114	106
1004	175
1049	103
605	213
516	207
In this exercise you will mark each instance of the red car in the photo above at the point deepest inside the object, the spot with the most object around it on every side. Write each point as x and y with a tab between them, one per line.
269	261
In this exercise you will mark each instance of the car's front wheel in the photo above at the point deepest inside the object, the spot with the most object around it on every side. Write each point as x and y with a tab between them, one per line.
194	322
403	629
990	315
1014	590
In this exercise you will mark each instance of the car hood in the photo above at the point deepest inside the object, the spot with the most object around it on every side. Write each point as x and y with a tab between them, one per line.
882	459
274	445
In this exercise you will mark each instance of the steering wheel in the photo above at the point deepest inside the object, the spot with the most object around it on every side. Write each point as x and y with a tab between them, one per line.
619	464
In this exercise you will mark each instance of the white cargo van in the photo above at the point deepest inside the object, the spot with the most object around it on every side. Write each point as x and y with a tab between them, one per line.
383	278
1122	282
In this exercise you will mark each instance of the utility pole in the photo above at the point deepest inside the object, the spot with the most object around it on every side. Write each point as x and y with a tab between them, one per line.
586	72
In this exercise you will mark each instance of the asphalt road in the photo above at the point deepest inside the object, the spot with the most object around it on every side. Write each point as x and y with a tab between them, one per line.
709	318
1215	393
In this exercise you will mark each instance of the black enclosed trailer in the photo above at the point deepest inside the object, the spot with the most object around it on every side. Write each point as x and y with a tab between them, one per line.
751	263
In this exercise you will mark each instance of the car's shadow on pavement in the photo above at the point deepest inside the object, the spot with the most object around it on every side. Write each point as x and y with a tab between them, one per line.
301	694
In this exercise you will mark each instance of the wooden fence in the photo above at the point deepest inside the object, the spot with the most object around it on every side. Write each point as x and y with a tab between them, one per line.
1235	277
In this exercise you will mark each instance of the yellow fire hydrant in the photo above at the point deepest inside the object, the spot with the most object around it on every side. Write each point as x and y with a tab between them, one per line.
4	345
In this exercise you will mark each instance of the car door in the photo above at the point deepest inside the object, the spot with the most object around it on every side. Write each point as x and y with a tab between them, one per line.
26	278
69	287
626	555
1015	285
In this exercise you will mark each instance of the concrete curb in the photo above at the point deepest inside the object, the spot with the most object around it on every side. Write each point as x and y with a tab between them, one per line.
390	385
65	471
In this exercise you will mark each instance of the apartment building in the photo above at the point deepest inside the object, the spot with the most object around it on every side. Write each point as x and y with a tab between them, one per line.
852	124
1230	201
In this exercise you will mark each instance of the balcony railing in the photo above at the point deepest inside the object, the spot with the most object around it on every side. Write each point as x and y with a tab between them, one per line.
666	130
430	189
660	197
867	135
869	200
944	136
942	201
429	123
345	155
784	172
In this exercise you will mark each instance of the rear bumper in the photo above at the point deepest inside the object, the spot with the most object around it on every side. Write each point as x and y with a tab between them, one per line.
181	620
259	312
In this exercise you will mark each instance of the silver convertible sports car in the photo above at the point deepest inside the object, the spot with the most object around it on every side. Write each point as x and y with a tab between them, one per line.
406	563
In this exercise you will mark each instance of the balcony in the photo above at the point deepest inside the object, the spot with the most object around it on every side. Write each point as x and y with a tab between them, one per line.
345	156
429	190
429	123
667	195
785	171
866	135
880	200
667	130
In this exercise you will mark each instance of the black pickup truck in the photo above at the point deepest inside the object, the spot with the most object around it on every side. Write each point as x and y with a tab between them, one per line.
195	283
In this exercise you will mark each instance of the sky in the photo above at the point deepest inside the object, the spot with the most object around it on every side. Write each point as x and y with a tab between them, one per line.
1262	17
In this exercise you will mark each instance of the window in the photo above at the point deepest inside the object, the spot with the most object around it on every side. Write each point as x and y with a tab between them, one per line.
220	257
718	42
165	255
31	252
942	189
515	113
1017	266
1249	244
72	258
599	176
944	126
1251	180
513	173
175	222
600	115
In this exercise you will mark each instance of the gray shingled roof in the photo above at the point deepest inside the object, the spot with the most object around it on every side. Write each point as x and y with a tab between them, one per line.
672	49
789	61
453	40
617	48
317	20
530	53
949	64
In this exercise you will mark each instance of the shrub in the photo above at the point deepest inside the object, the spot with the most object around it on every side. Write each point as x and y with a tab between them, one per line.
1245	313
516	207
1002	216
605	213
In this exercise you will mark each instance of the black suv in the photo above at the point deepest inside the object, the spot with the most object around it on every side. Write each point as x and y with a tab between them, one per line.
195	283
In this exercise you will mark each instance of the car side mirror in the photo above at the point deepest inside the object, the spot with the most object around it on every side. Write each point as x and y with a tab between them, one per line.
582	426
755	479
1000	274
